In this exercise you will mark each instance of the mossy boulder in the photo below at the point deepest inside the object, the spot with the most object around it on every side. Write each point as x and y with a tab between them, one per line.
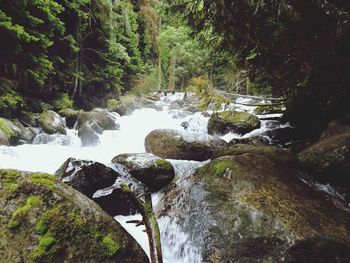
329	159
249	208
10	134
71	116
44	220
268	109
255	140
115	105
51	122
86	176
103	118
274	153
149	169
172	144
232	121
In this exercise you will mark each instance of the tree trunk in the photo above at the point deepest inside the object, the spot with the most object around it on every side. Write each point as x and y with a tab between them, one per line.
172	67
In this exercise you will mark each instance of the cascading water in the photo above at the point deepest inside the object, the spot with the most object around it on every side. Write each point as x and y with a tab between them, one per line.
48	152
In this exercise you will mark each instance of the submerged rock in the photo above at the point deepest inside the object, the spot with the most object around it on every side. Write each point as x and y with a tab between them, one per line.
232	121
89	134
44	220
249	208
149	169
86	176
172	144
51	122
10	134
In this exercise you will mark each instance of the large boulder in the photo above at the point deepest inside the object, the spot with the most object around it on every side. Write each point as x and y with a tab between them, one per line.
29	119
94	122
105	119
27	133
249	208
44	220
86	176
51	122
329	159
10	134
172	144
232	121
337	127
149	169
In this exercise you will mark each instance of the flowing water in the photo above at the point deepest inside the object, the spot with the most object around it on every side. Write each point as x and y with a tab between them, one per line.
48	152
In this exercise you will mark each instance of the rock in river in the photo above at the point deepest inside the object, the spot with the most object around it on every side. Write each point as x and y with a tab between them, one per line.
149	169
86	176
232	121
51	122
172	144
44	220
249	208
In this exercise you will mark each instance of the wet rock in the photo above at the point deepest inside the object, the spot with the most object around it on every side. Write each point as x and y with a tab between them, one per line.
283	136
103	118
329	159
232	121
27	133
250	208
86	176
114	105
89	134
10	134
176	104
71	116
149	169
172	144
318	250
44	220
257	140
51	122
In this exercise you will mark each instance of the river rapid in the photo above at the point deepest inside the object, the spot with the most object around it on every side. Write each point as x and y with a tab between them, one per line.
48	152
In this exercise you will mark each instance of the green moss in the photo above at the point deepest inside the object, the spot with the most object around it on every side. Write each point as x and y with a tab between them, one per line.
45	243
14	223
47	180
4	126
32	201
219	168
9	180
110	245
163	164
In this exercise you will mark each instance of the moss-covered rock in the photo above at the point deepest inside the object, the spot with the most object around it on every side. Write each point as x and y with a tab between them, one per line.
51	122
10	133
71	116
114	105
172	144
27	133
329	158
249	208
268	109
273	153
86	176
149	169
44	220
232	121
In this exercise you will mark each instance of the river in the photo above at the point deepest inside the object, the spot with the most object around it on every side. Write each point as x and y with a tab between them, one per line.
49	152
